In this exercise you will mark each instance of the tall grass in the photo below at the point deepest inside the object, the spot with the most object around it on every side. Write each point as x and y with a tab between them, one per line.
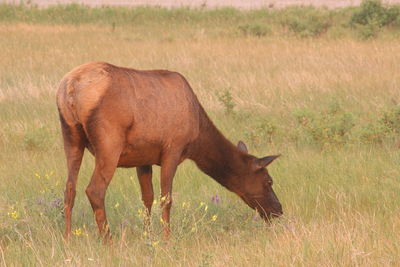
340	199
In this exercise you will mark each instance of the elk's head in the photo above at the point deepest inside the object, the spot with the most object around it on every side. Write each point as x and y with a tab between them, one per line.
256	186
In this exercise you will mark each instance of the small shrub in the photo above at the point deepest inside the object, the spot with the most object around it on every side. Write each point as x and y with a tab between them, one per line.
368	31
372	133
263	131
227	101
392	15
254	29
385	128
372	12
391	120
369	10
304	117
72	13
309	26
306	22
371	16
35	139
396	22
331	127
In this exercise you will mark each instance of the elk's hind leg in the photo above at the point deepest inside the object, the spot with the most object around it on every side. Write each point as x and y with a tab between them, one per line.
74	145
108	145
144	174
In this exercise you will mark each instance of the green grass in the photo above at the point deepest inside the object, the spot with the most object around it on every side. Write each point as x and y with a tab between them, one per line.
340	198
369	20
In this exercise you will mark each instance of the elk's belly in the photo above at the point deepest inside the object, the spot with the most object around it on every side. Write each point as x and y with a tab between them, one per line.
139	155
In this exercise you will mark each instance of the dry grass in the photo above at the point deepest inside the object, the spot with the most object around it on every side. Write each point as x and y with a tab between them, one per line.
254	4
341	204
269	73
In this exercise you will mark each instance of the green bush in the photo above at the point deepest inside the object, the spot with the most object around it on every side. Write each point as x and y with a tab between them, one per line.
392	15
391	120
331	127
368	31
306	22
263	131
396	22
371	16
372	12
254	29
384	128
35	139
304	117
226	100
372	133
309	26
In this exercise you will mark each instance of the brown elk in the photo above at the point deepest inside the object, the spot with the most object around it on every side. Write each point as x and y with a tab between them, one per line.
133	118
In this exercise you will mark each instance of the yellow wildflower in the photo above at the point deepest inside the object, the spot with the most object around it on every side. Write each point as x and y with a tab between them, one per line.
214	217
77	232
116	205
44	190
13	214
155	243
140	212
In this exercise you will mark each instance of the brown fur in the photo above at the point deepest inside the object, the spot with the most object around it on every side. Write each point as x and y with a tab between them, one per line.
132	118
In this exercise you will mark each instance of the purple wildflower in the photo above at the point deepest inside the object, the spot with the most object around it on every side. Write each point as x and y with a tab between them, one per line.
56	203
216	200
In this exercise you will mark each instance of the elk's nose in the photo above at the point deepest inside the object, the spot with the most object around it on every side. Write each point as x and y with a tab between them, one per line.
278	209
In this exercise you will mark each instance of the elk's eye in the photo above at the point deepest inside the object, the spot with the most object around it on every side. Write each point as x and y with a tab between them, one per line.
269	182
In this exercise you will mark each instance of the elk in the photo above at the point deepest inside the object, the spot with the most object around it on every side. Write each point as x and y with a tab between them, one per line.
138	118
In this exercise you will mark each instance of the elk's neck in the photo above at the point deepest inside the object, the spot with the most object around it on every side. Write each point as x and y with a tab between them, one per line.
217	156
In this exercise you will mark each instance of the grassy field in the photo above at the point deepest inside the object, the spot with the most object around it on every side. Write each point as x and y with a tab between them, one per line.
329	104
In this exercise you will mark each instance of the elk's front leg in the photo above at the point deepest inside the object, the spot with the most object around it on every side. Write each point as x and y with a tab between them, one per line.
144	174
169	165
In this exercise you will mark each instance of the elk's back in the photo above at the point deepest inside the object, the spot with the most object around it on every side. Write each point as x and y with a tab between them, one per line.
151	109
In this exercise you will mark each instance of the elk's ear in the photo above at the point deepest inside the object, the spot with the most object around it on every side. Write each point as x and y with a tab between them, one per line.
265	161
242	147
